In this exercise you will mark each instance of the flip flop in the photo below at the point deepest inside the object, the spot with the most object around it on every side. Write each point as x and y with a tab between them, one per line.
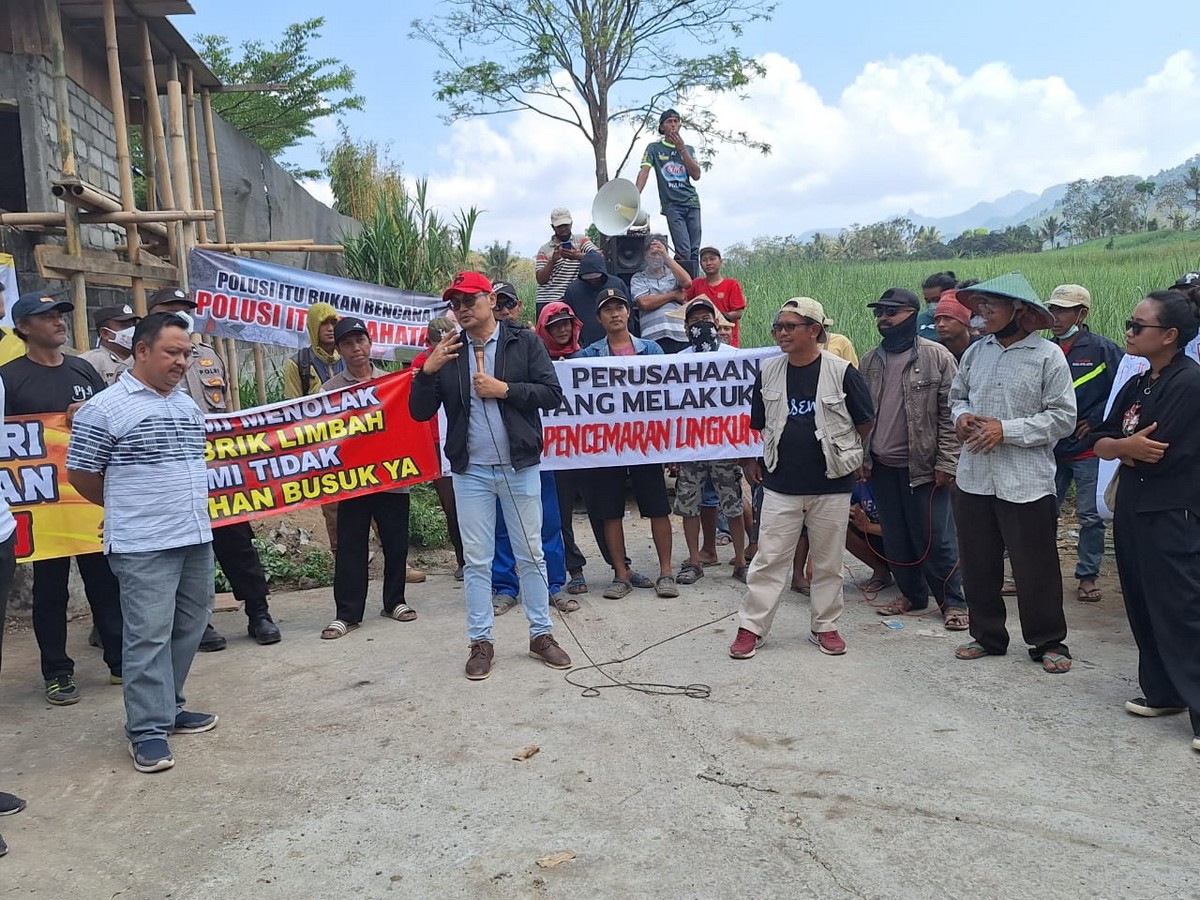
972	650
805	589
563	603
402	613
957	620
1090	595
875	585
337	629
1052	663
740	573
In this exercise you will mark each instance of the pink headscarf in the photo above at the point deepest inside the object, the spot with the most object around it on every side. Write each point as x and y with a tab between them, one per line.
555	310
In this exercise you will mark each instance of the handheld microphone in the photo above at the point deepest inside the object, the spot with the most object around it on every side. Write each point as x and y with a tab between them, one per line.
478	347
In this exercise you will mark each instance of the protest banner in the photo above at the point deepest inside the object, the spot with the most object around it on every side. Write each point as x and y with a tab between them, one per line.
261	462
264	303
52	519
298	453
623	411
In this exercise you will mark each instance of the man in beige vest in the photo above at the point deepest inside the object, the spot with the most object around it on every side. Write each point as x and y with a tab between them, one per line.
813	410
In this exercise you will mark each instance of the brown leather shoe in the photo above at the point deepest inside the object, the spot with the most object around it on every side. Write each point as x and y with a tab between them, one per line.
545	648
479	663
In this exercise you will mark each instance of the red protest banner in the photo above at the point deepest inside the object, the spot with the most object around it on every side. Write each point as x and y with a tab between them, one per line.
334	446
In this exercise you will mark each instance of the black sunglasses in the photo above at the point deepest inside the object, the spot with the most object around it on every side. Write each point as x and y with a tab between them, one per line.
511	303
457	303
887	312
1136	327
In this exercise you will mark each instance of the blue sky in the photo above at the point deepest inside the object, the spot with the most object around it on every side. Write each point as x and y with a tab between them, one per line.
872	108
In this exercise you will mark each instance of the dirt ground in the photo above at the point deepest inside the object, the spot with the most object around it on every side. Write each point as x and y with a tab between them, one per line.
369	767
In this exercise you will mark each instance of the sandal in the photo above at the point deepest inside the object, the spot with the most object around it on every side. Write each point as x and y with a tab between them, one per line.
689	573
502	603
972	650
336	629
1090	595
957	620
402	613
724	540
665	587
805	589
901	606
577	585
740	572
875	585
1055	663
709	560
638	580
563	603
617	590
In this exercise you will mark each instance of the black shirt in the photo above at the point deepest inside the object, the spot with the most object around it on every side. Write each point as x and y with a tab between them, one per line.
801	467
1173	401
31	388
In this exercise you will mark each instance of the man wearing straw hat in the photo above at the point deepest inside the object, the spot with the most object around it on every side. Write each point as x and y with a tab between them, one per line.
1011	402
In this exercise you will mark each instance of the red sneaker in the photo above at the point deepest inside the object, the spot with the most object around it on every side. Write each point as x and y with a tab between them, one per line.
744	644
830	642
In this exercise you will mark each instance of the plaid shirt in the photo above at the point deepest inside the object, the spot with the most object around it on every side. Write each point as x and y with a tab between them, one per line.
1027	386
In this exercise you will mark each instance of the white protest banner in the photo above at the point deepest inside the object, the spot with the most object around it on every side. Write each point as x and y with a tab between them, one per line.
257	301
628	411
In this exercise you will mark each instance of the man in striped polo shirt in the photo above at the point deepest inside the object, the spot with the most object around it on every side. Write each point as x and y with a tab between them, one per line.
557	262
137	449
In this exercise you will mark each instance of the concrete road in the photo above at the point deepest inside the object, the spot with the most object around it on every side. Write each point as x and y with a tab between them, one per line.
369	767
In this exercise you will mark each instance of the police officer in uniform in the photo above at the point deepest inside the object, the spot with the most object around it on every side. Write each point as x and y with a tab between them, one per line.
206	383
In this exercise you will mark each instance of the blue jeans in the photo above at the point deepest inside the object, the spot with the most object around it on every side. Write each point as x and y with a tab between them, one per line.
166	601
504	569
475	492
1085	473
684	224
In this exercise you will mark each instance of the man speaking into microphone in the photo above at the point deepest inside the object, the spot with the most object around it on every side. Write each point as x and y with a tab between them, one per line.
493	378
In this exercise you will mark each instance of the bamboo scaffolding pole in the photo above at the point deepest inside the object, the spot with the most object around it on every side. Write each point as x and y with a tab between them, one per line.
214	169
162	160
88	199
180	177
275	248
66	149
133	249
194	155
148	160
260	373
139	217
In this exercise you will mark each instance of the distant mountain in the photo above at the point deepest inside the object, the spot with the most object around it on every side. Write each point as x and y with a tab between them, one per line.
1011	209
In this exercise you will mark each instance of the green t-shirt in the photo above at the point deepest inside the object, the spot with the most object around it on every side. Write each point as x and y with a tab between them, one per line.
674	186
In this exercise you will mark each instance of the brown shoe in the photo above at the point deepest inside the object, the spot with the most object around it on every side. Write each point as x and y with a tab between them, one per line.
545	648
479	663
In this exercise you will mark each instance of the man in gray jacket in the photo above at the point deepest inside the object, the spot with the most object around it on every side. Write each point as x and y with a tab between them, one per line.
913	456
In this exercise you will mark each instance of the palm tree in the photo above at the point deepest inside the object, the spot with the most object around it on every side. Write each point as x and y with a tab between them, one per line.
1050	231
498	262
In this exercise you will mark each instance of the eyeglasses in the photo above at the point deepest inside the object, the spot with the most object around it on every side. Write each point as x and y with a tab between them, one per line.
888	312
1136	327
789	327
457	303
512	303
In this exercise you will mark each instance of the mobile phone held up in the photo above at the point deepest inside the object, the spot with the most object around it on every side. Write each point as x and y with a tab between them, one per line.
565	245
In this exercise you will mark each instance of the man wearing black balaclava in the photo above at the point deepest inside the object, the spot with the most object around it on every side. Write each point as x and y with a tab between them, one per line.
581	296
913	456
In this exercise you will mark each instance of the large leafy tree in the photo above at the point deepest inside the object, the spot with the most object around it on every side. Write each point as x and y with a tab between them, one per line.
596	64
278	120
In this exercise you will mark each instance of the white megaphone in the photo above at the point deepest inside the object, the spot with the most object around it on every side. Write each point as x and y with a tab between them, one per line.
618	207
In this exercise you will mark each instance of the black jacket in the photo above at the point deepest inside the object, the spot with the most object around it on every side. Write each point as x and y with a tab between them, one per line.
1093	360
581	296
523	363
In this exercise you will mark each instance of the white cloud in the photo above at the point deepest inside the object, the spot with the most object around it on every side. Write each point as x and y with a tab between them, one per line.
319	189
913	132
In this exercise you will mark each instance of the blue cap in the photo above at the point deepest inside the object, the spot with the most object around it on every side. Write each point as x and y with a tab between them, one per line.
35	303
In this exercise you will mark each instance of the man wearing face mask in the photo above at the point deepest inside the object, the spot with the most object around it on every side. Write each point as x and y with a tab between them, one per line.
722	476
205	383
912	458
114	334
582	295
1093	360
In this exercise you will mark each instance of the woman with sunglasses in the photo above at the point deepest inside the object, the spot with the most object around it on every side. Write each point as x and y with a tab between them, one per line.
1152	430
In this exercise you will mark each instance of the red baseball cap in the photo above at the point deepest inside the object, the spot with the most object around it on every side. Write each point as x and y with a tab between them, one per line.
470	283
